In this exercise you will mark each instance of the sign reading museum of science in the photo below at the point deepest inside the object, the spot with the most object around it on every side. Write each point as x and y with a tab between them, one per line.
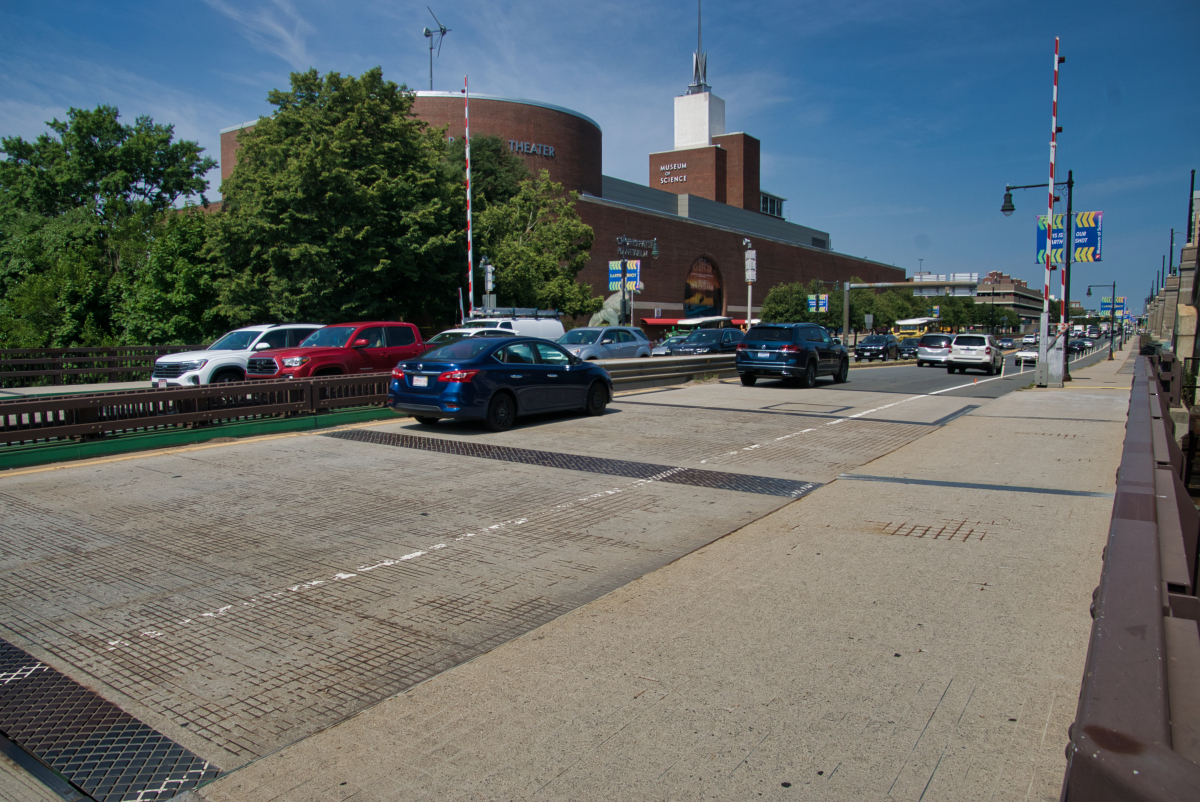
668	169
1089	237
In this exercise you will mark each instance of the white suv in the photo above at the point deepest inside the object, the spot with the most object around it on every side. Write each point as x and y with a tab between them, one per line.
225	360
975	351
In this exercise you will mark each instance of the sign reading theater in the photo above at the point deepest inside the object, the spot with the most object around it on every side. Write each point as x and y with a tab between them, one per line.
667	169
531	147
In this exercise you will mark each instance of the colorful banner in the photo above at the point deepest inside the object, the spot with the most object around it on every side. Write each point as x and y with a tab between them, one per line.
818	303
1106	305
633	276
1088	235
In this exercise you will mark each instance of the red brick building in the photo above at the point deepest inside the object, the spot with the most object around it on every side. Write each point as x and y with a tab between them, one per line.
702	202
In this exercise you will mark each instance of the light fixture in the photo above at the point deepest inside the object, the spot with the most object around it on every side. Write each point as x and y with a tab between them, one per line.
1007	208
1089	292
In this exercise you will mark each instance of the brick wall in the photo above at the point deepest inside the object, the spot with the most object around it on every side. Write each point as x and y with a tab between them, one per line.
681	241
741	170
694	171
576	162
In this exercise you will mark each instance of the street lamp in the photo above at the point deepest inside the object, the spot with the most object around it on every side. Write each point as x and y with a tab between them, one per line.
627	246
1007	208
1112	326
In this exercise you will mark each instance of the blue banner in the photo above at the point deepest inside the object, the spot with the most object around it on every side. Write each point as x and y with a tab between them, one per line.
633	276
1088	235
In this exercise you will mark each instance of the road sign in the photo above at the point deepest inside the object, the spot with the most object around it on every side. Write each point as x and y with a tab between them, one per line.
1087	233
633	276
751	266
818	303
937	311
868	319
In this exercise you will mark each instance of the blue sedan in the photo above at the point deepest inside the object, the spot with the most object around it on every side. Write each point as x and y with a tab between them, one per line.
495	380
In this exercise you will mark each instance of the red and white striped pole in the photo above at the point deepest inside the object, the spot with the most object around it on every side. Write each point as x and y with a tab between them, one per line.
1043	364
467	140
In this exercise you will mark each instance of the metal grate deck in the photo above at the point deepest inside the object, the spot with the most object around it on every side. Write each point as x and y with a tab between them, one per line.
102	750
717	480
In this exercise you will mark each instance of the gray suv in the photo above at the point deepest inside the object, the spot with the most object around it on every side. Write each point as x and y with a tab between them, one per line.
606	342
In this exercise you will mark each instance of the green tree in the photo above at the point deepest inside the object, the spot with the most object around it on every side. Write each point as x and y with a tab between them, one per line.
786	303
337	209
539	245
172	297
76	206
496	172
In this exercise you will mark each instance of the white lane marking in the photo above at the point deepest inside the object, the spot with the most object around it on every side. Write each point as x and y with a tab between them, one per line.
266	598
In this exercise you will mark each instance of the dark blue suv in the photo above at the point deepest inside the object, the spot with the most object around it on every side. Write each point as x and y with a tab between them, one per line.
792	351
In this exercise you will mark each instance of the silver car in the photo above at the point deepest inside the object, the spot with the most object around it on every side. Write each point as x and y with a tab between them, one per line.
664	348
606	342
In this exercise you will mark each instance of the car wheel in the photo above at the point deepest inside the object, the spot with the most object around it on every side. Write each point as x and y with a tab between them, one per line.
950	369
227	376
425	420
502	411
991	369
748	379
843	372
597	399
810	376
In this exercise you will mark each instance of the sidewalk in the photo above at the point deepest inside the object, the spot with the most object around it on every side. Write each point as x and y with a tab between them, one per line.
880	638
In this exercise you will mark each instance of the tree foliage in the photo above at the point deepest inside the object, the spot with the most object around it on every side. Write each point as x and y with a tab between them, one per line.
78	210
538	245
337	208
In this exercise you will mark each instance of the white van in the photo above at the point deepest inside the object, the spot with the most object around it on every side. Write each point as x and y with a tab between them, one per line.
544	327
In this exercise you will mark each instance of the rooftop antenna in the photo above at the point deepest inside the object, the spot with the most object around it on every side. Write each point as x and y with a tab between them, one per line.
699	82
440	33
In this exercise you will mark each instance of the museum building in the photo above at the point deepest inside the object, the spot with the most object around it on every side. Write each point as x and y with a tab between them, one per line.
702	201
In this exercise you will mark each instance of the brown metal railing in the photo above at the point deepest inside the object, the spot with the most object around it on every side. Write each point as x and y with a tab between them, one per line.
1136	734
45	419
30	367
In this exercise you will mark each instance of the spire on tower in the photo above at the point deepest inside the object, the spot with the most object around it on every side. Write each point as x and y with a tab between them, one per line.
699	61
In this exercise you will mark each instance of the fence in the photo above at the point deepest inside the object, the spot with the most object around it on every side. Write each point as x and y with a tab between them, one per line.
1136	734
28	367
57	418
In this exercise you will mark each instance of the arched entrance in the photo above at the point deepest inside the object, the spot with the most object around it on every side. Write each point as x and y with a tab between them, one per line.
702	293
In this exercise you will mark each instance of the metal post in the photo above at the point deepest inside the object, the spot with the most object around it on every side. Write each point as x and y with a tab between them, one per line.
1171	255
1112	327
1043	369
1068	250
1191	231
845	312
624	267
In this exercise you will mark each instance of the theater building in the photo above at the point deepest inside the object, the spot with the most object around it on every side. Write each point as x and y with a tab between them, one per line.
703	199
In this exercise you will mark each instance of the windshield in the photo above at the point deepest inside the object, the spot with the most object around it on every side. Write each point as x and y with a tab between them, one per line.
909	341
579	337
769	334
468	348
705	336
328	337
235	341
446	338
874	339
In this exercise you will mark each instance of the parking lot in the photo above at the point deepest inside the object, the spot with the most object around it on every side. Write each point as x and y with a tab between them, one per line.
240	596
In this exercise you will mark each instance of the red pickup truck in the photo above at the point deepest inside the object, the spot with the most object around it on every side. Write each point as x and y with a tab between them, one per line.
340	349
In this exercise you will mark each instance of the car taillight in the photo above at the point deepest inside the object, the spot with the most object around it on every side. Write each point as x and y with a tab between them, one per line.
791	349
742	346
987	350
397	373
457	376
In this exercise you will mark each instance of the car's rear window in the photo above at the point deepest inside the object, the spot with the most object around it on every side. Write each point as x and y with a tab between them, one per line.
769	334
909	341
968	340
459	351
935	339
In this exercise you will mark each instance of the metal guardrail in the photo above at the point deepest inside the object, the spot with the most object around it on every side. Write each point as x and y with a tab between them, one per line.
56	418
25	367
1136	734
666	369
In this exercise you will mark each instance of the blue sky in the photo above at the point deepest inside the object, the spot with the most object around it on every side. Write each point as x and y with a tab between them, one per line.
892	125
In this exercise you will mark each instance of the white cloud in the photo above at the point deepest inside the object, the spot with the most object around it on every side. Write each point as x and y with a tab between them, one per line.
280	31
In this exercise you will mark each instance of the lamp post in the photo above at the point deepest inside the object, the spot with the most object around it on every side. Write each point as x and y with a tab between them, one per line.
1007	208
1112	326
627	246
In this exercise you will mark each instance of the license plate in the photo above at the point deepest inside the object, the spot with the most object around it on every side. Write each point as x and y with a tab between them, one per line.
420	381
764	355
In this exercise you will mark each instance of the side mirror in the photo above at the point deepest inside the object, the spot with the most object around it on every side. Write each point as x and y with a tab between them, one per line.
361	342
607	341
261	346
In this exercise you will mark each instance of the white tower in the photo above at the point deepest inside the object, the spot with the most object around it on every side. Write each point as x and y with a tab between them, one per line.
699	115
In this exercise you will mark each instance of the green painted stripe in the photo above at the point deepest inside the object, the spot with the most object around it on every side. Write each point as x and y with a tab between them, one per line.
26	456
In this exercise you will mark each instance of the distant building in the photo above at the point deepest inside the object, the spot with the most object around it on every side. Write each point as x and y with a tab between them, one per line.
1005	291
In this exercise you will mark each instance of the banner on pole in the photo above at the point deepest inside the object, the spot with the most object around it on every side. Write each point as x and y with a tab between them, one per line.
818	303
1088	235
633	276
1106	305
